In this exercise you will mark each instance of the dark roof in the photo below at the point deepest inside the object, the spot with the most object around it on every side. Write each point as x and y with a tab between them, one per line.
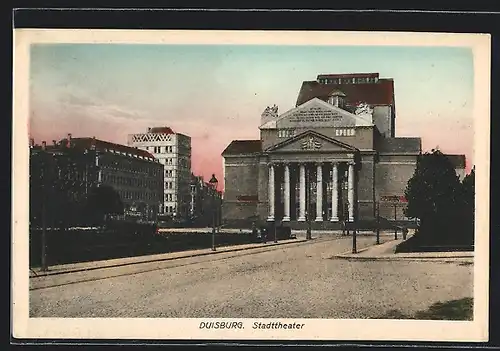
162	130
102	145
458	161
237	147
399	145
348	75
380	93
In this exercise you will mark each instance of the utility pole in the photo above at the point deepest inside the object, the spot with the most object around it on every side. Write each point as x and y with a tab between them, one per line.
378	223
214	224
43	154
395	226
275	232
44	232
213	182
354	244
308	197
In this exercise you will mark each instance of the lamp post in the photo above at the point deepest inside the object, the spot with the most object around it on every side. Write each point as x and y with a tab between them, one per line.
378	223
44	169
214	182
308	197
354	243
395	224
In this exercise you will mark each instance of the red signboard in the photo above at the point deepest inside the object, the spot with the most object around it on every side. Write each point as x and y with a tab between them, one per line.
248	198
393	198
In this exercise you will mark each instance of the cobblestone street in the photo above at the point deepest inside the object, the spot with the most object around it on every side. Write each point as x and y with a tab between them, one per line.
290	281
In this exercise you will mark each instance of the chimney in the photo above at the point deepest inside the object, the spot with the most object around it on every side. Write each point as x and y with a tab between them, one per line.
32	142
69	140
54	142
44	145
92	143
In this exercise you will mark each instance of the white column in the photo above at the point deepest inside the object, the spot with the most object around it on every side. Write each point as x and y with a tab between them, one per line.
286	217
302	193
271	193
335	194
351	192
319	193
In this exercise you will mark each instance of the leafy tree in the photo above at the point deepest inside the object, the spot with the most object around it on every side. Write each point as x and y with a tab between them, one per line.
434	195
468	206
103	201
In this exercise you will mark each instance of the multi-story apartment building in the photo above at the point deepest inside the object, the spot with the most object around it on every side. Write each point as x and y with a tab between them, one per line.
173	150
77	165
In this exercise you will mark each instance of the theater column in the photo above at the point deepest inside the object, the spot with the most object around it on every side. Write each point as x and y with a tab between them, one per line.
302	193
351	191
271	192
286	217
319	192
335	194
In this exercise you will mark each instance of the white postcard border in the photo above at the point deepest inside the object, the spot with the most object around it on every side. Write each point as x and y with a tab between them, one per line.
314	329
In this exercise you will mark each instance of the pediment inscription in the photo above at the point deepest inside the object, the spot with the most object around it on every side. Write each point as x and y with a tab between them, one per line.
314	114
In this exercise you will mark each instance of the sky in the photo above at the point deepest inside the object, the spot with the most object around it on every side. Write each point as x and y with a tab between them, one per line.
216	93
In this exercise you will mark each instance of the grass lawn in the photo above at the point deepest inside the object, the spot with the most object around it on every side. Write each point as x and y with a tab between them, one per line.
450	310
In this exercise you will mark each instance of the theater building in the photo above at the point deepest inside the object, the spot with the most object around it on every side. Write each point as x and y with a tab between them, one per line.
333	157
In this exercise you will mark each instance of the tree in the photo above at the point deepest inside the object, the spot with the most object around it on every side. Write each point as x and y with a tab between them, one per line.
434	196
103	201
467	217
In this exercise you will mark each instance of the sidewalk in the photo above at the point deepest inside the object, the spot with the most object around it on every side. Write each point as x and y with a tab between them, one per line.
386	252
119	262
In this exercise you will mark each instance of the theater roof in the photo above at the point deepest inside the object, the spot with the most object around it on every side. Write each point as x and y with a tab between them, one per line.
238	147
380	93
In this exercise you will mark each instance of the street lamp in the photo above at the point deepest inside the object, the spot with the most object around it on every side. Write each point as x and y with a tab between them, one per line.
44	184
378	222
354	244
309	224
214	182
395	224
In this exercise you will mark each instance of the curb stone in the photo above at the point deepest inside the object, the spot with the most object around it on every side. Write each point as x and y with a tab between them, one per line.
34	274
406	258
348	255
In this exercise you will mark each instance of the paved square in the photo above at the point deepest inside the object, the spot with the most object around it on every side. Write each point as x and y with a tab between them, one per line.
296	281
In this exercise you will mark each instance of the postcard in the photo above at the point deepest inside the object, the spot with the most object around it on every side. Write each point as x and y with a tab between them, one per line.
250	185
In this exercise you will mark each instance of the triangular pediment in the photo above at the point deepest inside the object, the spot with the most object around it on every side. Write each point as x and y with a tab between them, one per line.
316	113
311	141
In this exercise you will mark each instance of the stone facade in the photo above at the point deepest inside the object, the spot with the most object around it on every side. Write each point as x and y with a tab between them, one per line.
331	158
84	163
